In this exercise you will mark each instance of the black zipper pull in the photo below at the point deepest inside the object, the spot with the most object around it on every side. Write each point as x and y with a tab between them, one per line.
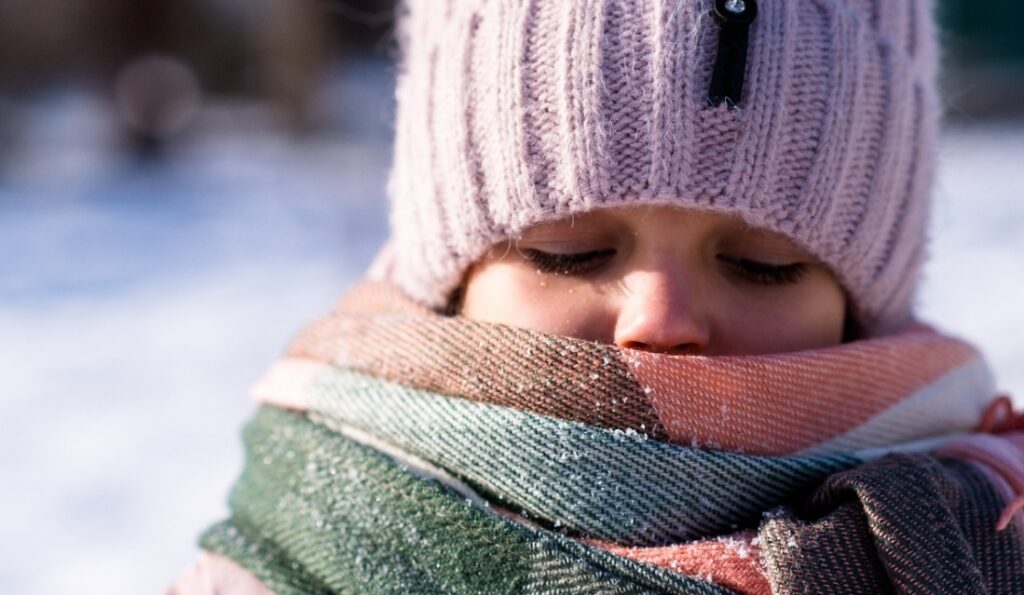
734	18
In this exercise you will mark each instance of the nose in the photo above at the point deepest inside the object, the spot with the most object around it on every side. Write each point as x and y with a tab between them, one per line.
661	312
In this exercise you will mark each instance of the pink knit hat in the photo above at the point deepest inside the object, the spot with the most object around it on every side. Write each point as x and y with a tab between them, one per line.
816	119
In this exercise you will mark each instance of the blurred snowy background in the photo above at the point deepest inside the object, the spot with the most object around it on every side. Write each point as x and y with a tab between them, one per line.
184	184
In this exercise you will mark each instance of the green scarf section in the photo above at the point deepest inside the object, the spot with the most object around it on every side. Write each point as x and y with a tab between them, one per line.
620	486
381	488
315	512
399	451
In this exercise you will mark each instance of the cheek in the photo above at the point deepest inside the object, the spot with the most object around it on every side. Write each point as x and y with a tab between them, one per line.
809	316
743	321
515	295
824	310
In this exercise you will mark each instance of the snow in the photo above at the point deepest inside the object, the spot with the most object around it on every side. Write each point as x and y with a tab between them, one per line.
974	282
139	302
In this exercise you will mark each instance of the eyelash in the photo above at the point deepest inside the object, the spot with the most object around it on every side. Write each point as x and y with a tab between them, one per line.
764	273
568	264
584	262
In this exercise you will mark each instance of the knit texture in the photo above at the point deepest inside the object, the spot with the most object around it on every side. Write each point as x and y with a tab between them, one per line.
513	113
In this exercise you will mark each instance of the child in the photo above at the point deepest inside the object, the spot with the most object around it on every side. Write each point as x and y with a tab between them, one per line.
645	323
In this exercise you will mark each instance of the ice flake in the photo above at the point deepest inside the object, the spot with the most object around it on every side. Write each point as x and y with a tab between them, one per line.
629	434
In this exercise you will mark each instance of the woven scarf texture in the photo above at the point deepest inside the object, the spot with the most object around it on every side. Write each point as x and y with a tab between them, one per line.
401	451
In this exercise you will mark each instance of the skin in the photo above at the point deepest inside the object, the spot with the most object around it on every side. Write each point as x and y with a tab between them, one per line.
660	279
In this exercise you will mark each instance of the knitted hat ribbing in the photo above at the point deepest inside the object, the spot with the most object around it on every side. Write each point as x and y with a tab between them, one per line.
512	113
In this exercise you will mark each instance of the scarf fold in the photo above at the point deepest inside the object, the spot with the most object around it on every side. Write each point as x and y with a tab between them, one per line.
402	450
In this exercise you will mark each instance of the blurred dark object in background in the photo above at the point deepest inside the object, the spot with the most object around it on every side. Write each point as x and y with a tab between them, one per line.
984	51
151	59
156	96
163	66
158	62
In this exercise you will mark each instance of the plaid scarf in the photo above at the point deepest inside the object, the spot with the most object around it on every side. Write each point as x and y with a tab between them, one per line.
399	450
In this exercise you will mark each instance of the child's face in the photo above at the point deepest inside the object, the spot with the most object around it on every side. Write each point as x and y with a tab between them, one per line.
661	279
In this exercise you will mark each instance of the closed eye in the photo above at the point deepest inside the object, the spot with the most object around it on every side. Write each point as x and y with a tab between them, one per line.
579	263
764	273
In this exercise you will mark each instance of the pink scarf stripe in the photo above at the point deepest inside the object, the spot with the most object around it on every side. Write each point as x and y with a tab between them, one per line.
849	397
734	561
915	390
779	404
943	405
